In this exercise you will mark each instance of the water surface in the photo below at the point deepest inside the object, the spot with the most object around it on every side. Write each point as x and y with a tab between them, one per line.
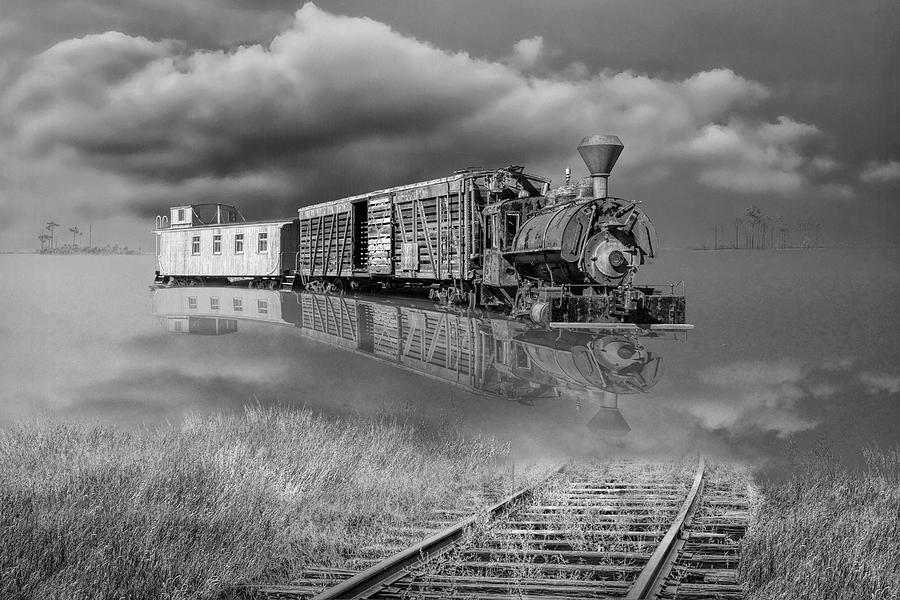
791	348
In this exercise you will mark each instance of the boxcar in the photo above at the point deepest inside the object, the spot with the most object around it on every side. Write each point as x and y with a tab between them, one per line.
423	233
205	243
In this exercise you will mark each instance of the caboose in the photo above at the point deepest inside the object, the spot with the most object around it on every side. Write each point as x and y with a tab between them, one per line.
213	244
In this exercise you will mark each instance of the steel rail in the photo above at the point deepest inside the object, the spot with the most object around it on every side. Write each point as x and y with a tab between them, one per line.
656	569
377	577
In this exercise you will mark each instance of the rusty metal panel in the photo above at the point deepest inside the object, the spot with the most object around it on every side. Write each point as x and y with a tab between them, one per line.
559	230
497	270
381	236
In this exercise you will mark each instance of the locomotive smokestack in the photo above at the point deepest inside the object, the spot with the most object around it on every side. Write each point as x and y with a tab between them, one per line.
600	153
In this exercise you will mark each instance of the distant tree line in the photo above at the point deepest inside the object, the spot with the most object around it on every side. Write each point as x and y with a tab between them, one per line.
755	230
49	243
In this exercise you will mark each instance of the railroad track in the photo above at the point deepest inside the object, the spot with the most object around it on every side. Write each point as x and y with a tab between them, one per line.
607	530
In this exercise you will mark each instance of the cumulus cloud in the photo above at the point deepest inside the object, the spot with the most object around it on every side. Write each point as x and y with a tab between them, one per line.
752	158
823	164
881	172
527	52
781	397
880	382
762	396
335	105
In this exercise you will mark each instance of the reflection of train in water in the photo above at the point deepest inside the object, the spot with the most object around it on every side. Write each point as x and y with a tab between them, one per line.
489	355
496	237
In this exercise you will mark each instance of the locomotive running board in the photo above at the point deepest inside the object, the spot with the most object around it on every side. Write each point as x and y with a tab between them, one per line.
622	326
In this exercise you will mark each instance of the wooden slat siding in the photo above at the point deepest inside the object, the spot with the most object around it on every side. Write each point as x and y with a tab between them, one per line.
326	241
174	256
381	236
330	234
343	244
439	344
386	331
430	216
330	319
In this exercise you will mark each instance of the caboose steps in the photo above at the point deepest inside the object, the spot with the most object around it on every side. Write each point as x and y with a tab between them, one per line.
287	284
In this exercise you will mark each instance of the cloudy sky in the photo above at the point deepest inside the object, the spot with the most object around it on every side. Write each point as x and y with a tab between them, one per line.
111	111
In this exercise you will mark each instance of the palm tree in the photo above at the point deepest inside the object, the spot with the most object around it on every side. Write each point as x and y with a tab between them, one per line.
50	226
754	216
75	231
784	233
43	237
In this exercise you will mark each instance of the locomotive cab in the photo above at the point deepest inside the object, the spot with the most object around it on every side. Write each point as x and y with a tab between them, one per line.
517	197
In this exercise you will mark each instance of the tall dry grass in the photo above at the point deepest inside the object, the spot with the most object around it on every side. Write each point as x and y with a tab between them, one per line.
828	533
190	511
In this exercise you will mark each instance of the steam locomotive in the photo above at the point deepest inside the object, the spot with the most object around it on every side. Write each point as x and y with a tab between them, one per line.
478	237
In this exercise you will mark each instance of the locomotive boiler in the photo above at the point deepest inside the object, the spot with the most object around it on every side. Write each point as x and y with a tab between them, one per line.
576	253
478	237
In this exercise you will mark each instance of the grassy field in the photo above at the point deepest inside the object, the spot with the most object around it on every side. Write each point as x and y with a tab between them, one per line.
190	511
828	533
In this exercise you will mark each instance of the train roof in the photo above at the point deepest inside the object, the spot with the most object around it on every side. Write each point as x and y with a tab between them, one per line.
456	176
199	216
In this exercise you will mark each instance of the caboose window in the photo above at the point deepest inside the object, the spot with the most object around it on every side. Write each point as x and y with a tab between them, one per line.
192	302
217	243
238	305
213	303
195	244
239	243
262	243
262	307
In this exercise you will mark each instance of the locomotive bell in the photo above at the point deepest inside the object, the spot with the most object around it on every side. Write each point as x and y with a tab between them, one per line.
600	153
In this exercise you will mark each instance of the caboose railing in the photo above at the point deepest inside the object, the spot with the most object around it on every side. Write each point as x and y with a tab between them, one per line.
287	263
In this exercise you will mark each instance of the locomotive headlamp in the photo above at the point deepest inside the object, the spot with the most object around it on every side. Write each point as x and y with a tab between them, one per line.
626	351
606	259
617	259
